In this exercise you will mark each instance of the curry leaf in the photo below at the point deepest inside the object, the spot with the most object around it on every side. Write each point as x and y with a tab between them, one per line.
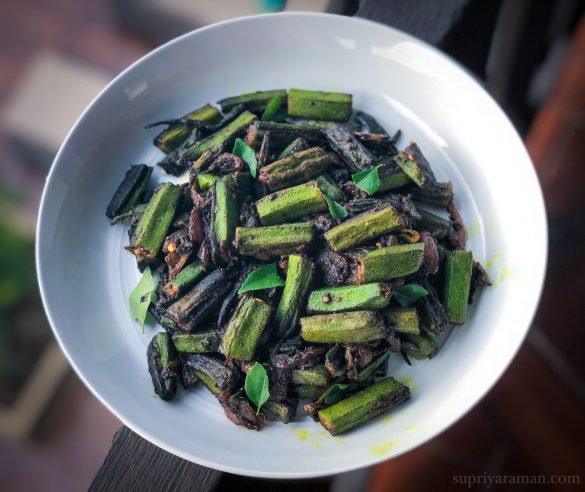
335	393
264	277
256	386
142	296
271	109
247	154
336	210
408	294
368	180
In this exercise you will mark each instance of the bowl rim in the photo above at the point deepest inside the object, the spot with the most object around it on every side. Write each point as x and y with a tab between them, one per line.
42	282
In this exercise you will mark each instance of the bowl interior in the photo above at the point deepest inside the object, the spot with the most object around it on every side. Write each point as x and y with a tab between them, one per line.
86	276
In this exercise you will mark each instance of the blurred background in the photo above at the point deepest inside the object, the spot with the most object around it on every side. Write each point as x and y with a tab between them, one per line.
56	55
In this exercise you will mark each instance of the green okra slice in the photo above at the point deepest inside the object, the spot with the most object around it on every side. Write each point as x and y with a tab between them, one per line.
315	376
347	327
186	278
370	370
154	224
291	203
205	181
225	216
296	168
437	226
173	136
335	106
299	275
222	138
391	262
129	191
253	101
197	343
412	161
418	347
349	298
132	216
309	392
457	275
403	320
285	409
363	406
245	328
391	178
211	371
281	134
344	144
363	228
329	187
267	242
295	146
163	365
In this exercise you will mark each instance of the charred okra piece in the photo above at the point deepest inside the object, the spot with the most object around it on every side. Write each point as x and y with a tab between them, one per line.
225	216
363	228
415	165
253	101
211	371
437	226
329	187
316	376
295	146
129	191
367	123
309	392
458	269
154	224
197	343
173	136
403	320
245	328
267	242
188	276
291	203
349	298
334	106
299	275
440	194
378	143
363	406
197	304
132	216
281	134
350	327
296	168
417	346
285	409
353	153
391	262
222	138
391	177
370	370
163	365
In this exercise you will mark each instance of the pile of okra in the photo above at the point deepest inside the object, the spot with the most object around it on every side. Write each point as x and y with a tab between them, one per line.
303	252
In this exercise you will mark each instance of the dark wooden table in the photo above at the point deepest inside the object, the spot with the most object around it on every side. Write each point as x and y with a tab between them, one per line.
462	28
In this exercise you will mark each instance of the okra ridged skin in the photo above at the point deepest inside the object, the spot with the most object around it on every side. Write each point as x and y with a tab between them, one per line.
186	278
334	106
290	203
440	194
253	101
211	371
173	136
295	146
329	187
129	191
296	168
363	228
154	224
346	327
391	179
309	392
281	134
457	275
163	365
267	242
390	262
344	144
198	343
222	138
363	406
299	276
245	328
349	298
438	226
315	376
403	320
225	213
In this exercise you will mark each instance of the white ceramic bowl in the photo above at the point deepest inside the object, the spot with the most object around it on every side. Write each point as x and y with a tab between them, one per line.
85	276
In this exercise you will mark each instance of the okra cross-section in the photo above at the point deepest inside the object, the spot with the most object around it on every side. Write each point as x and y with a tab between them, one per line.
347	298
153	226
291	203
296	168
299	275
363	228
267	242
335	106
363	406
245	328
349	327
458	269
391	262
